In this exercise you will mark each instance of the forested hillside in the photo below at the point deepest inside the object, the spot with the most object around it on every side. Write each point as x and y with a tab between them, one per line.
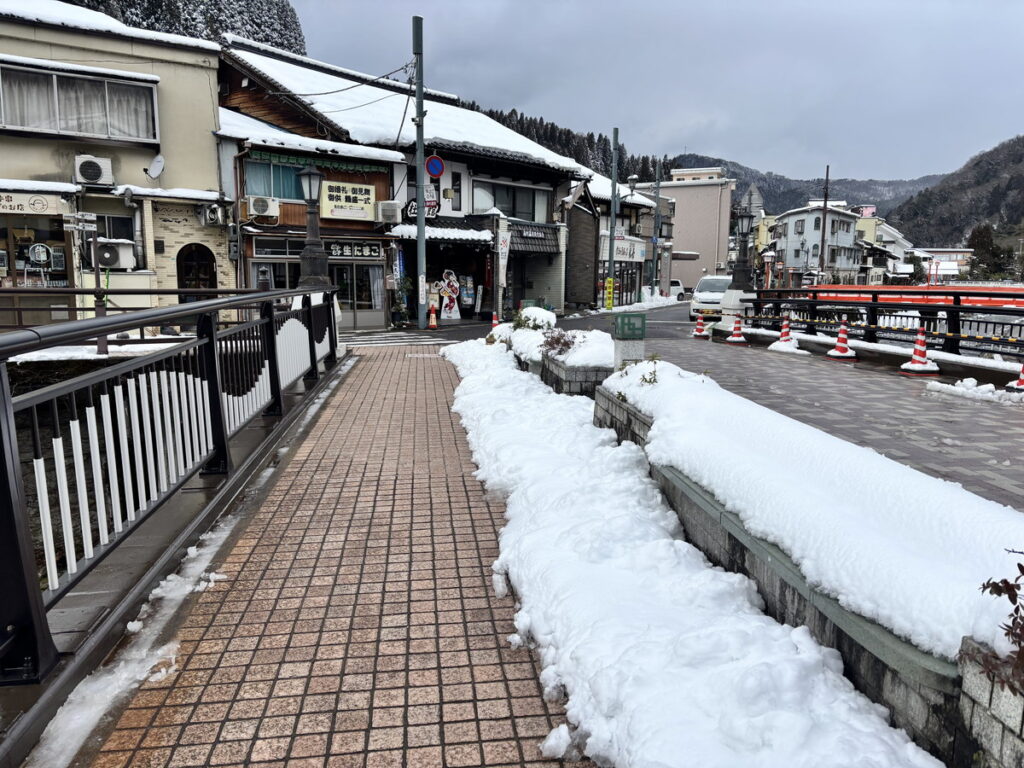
989	189
266	21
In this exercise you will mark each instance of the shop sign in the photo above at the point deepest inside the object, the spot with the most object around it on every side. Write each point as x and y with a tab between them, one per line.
339	249
535	234
27	202
430	204
504	243
341	200
631	249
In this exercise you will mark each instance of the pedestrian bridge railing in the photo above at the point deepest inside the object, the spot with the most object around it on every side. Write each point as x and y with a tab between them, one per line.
954	319
110	447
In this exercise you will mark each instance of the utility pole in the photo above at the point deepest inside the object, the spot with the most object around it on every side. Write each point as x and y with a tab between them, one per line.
609	280
824	223
656	236
421	220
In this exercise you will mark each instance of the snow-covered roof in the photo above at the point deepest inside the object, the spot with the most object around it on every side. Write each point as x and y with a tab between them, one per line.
408	232
183	193
61	66
375	115
244	128
29	185
74	17
808	208
237	40
601	189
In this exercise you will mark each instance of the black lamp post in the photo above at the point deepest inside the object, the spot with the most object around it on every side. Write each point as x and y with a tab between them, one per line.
741	269
313	262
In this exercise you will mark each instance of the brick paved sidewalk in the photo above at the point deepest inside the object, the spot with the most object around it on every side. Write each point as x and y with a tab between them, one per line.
357	626
954	438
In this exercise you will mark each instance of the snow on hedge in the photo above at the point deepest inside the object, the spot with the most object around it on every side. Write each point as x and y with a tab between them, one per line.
538	317
665	660
890	543
590	349
527	344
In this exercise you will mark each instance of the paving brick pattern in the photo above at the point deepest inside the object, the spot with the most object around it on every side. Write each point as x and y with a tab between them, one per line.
965	441
356	626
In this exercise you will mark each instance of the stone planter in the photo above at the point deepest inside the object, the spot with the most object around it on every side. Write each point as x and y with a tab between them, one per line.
922	692
572	380
528	365
993	715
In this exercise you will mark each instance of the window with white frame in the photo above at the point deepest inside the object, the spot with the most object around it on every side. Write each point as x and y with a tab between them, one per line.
47	102
515	202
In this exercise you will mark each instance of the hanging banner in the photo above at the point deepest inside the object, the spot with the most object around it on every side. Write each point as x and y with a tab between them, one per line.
504	243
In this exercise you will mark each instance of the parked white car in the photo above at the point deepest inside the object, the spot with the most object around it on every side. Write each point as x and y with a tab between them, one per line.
675	288
707	296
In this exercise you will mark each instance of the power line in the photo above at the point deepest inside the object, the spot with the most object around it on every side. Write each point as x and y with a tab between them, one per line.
357	106
402	68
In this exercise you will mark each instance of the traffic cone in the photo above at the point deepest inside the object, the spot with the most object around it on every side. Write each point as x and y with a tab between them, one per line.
700	332
784	337
736	337
432	323
842	352
919	364
1018	385
494	319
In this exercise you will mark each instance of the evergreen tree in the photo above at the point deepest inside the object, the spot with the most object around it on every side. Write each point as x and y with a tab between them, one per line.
990	261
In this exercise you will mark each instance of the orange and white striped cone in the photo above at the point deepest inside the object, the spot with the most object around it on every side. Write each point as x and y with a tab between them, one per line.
494	319
432	322
919	364
700	332
736	338
1018	385
842	352
784	336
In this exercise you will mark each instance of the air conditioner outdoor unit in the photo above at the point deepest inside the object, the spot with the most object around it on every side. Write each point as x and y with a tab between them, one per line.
389	212
720	265
263	206
211	215
115	255
636	231
93	170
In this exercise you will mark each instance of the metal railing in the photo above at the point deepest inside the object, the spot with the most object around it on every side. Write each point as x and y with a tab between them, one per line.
956	320
31	307
111	446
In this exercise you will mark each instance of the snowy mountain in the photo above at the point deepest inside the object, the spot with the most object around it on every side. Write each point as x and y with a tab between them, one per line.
265	21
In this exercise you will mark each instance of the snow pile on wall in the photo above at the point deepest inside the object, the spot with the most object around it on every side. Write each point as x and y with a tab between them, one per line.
665	660
527	344
590	349
890	543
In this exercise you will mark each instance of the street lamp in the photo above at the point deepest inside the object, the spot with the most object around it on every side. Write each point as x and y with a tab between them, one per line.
631	180
313	261
741	270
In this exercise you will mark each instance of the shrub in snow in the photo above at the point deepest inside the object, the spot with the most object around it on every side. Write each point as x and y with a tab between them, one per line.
558	341
527	343
500	332
1007	671
534	318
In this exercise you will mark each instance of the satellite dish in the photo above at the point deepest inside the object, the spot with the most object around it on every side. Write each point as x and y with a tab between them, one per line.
156	167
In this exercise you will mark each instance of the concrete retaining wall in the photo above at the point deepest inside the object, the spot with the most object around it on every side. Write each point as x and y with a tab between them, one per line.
570	380
921	692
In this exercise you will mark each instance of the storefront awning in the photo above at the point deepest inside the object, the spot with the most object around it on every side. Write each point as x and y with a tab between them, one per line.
450	229
533	238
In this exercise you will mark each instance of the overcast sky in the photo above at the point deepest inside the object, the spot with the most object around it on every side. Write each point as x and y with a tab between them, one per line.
877	88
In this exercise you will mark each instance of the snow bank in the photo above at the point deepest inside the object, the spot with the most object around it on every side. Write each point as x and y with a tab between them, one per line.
970	389
502	331
665	660
874	533
591	349
135	662
790	347
649	302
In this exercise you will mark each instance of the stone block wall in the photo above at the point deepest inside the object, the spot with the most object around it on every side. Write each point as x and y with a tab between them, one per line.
994	716
569	380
